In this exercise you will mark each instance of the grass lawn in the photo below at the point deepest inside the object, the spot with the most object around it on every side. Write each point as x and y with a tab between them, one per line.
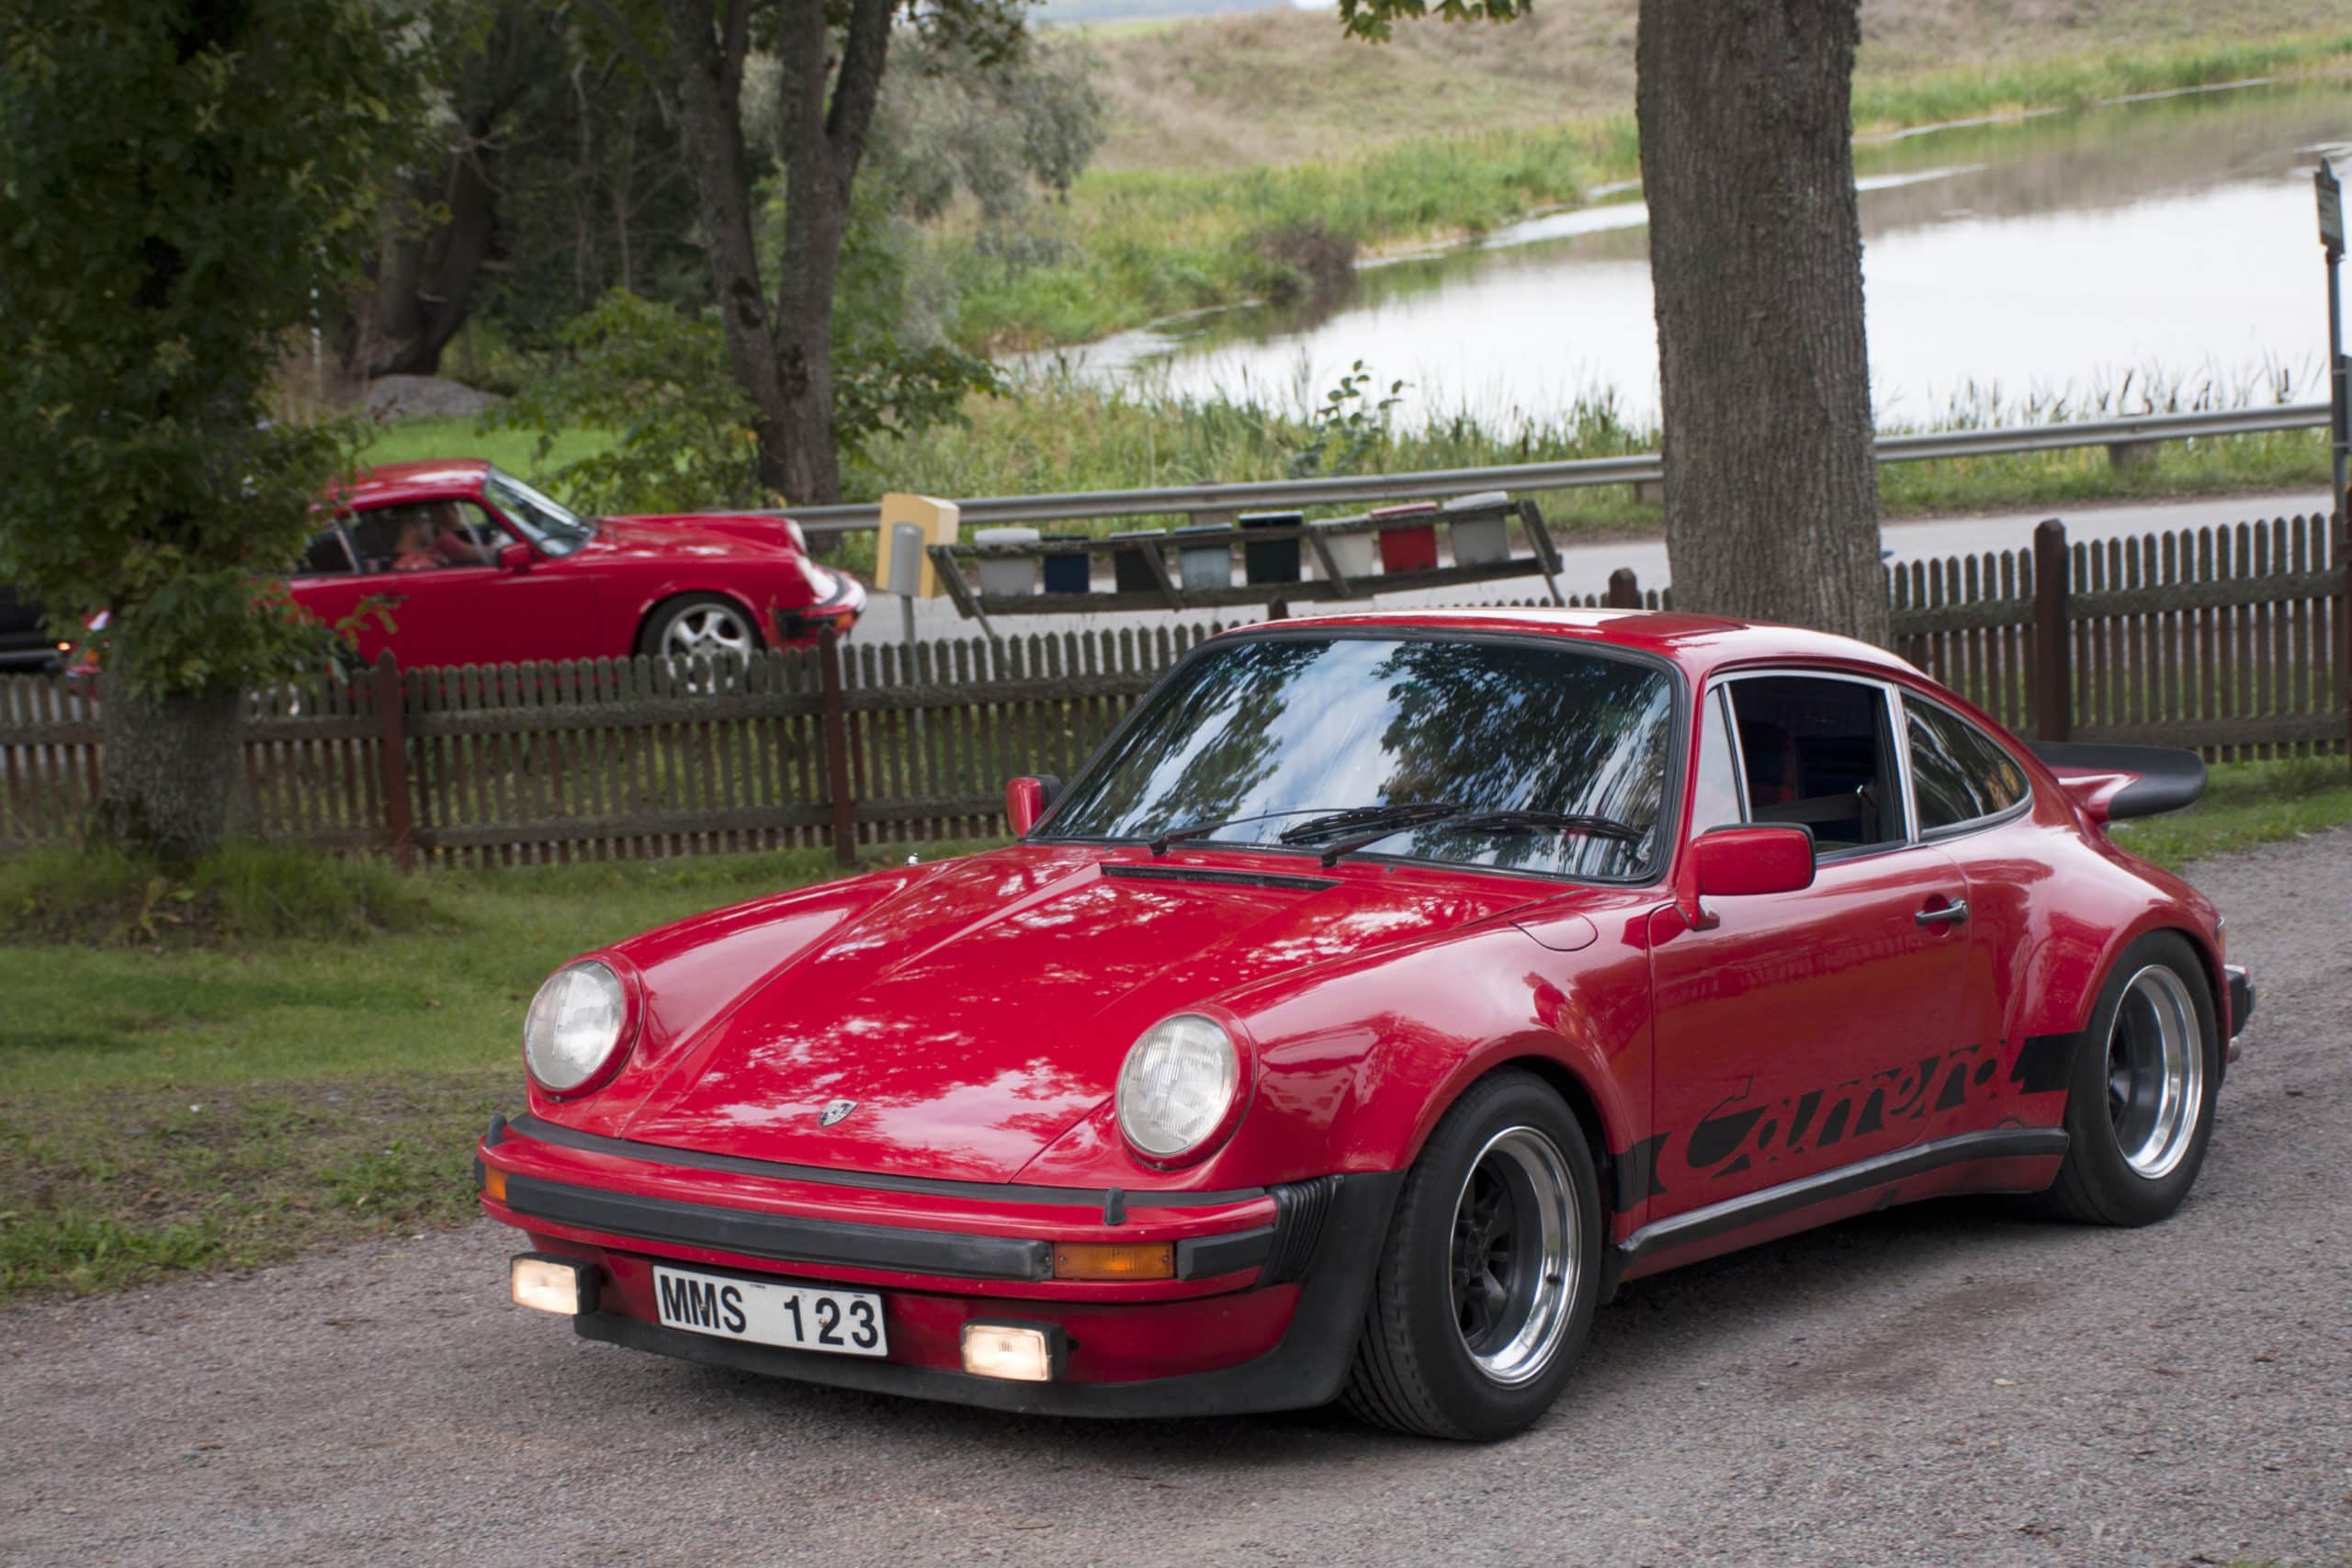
219	1108
198	1109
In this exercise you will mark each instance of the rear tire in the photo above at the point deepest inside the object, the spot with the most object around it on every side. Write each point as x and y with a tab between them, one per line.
2140	1095
1486	1288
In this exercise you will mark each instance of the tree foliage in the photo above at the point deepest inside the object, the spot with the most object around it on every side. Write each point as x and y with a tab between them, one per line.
181	186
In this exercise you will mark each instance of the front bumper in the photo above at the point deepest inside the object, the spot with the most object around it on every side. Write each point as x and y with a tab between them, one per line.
2242	999
1263	1315
839	610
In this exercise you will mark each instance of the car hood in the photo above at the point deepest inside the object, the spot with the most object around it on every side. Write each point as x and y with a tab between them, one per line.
976	1014
687	537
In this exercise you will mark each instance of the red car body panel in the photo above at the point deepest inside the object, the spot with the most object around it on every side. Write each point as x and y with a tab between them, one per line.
978	1011
592	603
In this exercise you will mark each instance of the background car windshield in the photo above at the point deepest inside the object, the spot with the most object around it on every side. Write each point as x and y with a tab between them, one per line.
558	531
1306	725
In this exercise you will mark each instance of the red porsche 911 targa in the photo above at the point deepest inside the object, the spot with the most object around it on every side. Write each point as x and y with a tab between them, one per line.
1384	991
472	565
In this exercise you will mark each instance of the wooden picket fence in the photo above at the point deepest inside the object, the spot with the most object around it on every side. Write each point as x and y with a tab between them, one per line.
2234	641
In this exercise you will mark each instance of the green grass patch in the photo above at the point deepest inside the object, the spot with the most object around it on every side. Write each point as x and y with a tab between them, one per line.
102	896
516	451
2248	804
222	1106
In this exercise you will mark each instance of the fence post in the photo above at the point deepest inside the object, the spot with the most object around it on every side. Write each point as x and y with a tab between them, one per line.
836	705
2344	617
2054	649
1624	589
391	763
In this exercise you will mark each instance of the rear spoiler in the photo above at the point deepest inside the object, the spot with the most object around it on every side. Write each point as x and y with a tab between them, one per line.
2112	783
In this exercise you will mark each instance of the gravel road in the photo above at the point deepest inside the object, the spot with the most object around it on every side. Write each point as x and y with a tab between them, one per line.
1933	1384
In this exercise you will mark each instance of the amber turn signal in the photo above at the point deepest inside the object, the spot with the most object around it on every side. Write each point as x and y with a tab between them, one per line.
1114	1260
494	1183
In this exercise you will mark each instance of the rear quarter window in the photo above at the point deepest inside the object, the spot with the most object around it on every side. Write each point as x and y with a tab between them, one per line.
1959	773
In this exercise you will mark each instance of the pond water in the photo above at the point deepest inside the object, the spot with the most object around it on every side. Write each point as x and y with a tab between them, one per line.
2004	266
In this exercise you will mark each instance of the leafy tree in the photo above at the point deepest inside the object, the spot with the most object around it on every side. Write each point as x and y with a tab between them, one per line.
182	182
1745	111
823	94
655	378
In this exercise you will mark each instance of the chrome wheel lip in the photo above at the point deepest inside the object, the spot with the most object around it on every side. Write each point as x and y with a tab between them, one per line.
1546	1238
2154	1076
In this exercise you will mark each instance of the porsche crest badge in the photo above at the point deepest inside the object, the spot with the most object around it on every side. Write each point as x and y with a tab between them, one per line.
835	1110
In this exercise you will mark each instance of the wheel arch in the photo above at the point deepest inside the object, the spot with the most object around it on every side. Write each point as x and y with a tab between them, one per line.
1603	1122
651	606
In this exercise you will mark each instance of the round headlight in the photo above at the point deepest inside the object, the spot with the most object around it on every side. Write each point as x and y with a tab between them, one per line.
574	1026
1177	1085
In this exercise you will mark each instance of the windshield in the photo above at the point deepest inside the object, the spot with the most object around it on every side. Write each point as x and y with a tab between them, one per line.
553	525
1257	735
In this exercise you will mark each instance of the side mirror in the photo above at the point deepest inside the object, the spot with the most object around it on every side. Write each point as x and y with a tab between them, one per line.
515	555
1025	800
1737	863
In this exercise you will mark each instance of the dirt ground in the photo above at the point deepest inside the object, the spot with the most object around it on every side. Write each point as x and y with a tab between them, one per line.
1933	1384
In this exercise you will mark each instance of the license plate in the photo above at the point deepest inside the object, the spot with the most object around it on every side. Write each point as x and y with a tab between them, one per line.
844	1323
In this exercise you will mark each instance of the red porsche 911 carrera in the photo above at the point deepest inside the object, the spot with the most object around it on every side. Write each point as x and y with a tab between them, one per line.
1382	994
472	565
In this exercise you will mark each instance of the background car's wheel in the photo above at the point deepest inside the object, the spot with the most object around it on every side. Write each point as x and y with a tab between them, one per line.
2140	1097
1486	1288
699	625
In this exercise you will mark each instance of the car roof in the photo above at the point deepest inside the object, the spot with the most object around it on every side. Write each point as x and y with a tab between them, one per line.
1698	644
430	480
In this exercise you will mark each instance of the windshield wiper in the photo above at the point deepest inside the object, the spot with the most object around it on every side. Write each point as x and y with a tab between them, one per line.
1158	844
1391	818
1496	822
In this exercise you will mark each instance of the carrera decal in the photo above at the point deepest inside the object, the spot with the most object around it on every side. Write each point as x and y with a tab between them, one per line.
1738	1135
2043	1064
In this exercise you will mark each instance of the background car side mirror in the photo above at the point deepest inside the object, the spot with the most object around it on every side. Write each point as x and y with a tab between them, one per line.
1735	863
515	555
1025	800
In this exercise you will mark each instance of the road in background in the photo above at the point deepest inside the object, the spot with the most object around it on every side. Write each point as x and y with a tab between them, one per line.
1586	568
1941	1384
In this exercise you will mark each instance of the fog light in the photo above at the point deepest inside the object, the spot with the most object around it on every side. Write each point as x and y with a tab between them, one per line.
1003	1350
553	1284
1114	1260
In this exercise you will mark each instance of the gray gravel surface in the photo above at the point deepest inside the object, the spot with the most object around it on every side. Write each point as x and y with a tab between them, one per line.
1935	1384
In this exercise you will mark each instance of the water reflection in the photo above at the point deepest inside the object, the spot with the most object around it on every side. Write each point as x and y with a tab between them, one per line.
2063	251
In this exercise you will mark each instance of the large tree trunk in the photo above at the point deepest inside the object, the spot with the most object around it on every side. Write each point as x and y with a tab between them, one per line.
169	772
1756	251
782	355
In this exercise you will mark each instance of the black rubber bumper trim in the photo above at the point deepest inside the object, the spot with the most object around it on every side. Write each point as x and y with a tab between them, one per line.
2242	997
1737	1213
787	1238
529	1126
1206	1257
1306	1370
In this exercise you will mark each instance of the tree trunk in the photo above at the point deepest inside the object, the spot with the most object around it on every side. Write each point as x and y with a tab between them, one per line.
1745	109
169	772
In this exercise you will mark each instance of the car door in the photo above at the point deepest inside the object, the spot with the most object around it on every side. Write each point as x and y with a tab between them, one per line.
327	582
451	601
1971	800
1803	1031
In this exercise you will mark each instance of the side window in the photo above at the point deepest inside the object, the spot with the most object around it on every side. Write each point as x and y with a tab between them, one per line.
1819	752
426	536
1957	771
325	556
1716	802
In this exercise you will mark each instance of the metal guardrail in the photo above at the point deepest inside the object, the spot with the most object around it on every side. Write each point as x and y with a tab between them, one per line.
2122	437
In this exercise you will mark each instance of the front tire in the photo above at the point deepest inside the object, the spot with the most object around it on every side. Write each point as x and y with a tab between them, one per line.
2140	1097
1486	1288
708	627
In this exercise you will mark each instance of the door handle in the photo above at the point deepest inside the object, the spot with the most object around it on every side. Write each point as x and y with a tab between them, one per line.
1952	914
